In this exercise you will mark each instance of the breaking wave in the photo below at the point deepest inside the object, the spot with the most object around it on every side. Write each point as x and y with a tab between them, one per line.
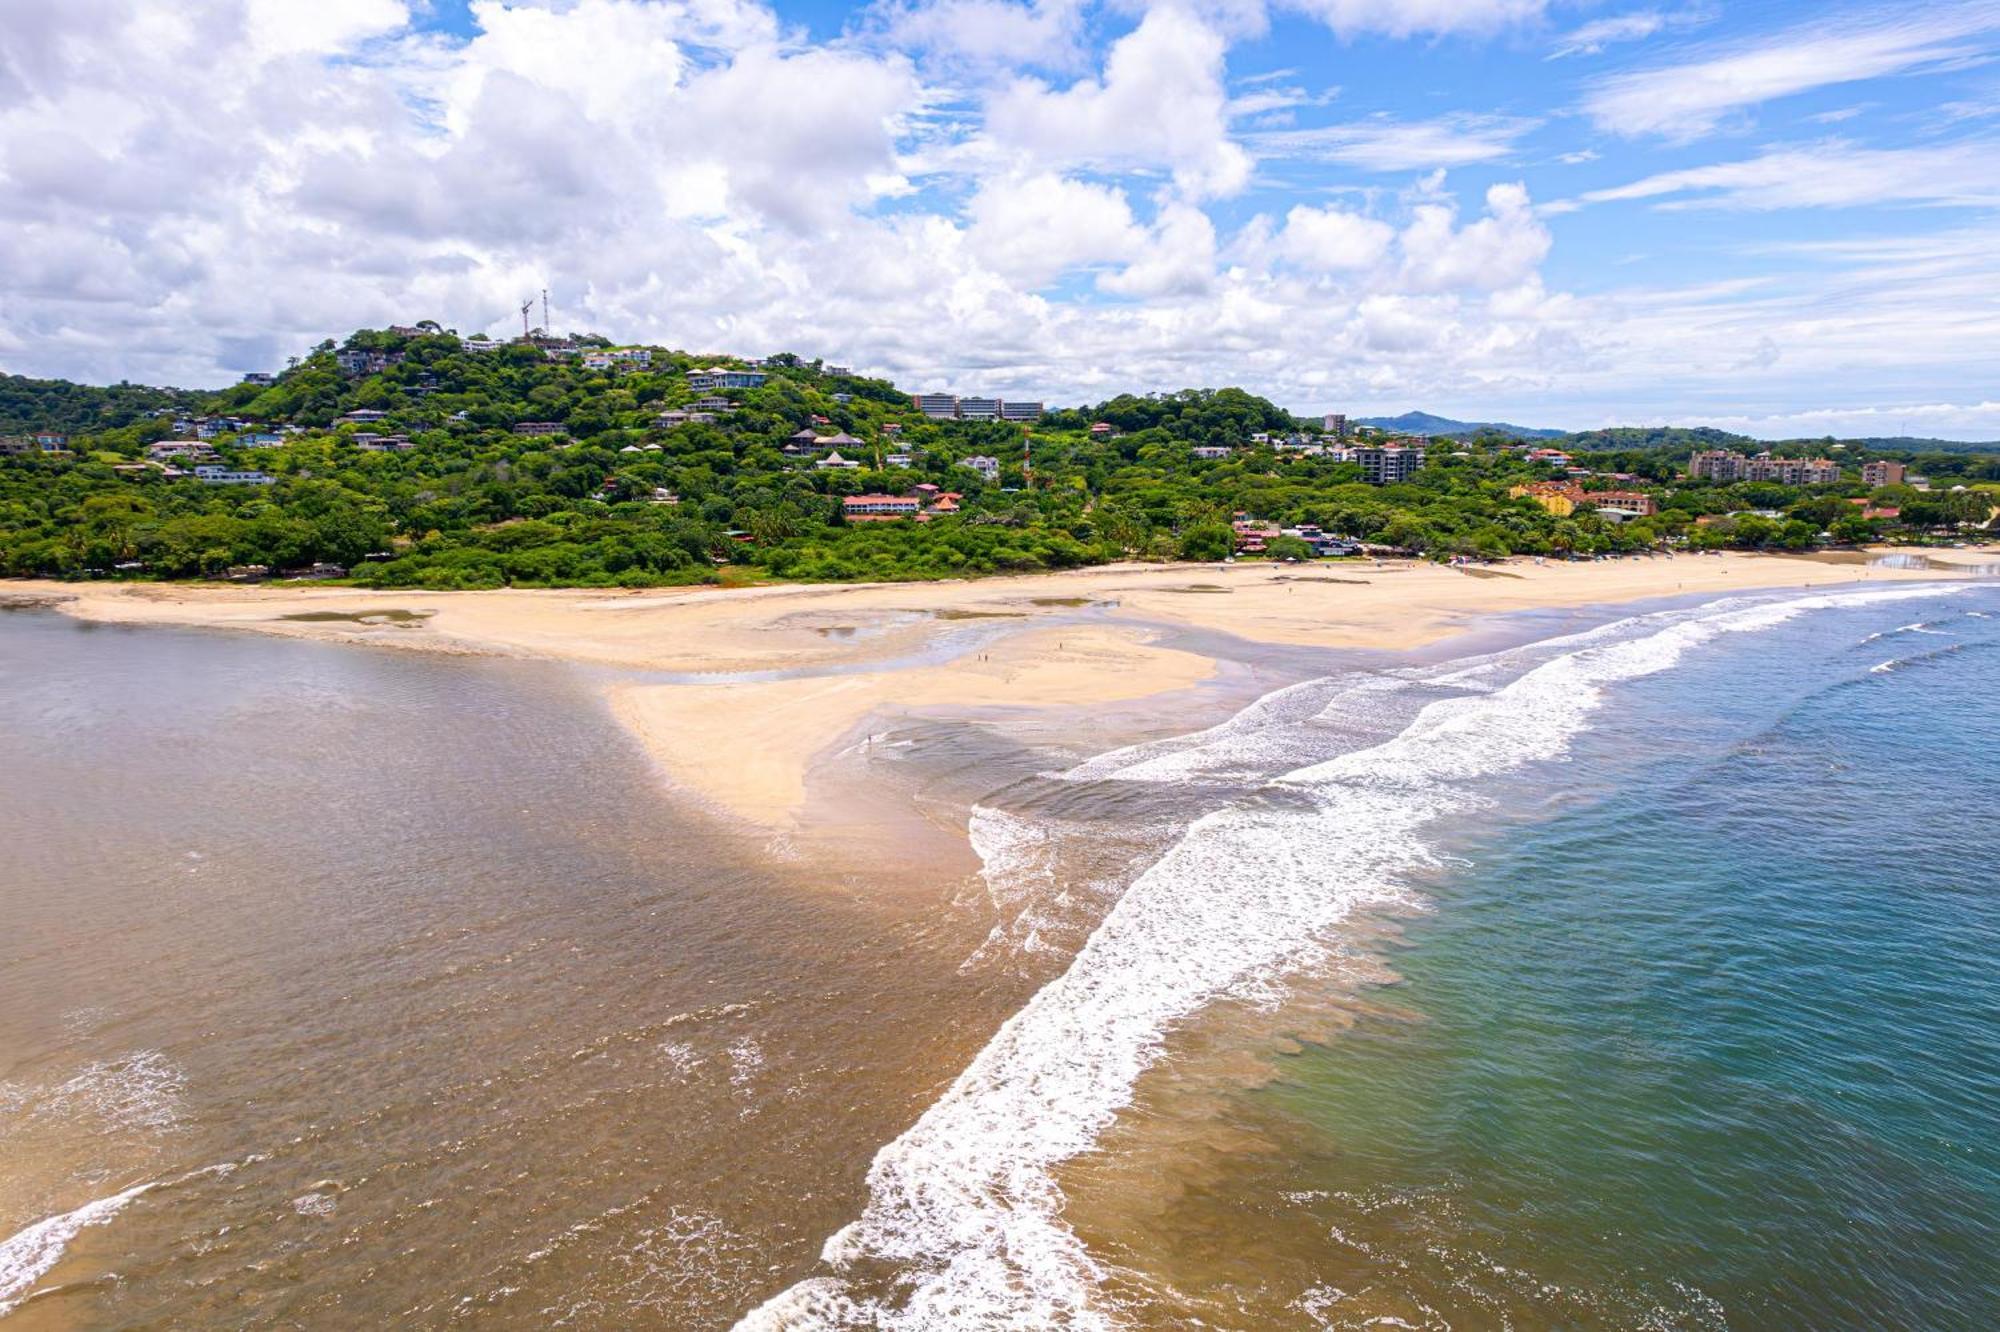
27	1255
965	1213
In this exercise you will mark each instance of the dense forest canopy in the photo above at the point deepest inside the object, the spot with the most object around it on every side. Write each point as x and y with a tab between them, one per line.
408	470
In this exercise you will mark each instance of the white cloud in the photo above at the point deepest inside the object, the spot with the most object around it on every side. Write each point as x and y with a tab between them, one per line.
1501	249
1033	229
286	27
1160	103
1591	38
1380	143
1334	240
1594	36
1179	259
1411	18
1829	175
1690	98
1978	421
988	32
704	177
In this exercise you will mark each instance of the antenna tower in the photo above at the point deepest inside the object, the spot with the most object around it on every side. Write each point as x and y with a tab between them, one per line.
546	327
526	306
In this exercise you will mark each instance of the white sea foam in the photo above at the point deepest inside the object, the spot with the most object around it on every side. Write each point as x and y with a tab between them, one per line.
140	1092
28	1255
746	1059
965	1208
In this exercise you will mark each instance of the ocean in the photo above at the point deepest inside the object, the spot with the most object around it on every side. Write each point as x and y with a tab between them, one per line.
1637	972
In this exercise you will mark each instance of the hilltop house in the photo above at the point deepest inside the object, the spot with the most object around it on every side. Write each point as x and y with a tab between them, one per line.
721	377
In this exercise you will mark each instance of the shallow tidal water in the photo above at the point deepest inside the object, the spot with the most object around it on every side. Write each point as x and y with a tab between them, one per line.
407	998
1642	976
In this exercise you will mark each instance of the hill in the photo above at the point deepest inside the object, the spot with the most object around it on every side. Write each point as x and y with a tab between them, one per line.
1423	423
411	457
77	409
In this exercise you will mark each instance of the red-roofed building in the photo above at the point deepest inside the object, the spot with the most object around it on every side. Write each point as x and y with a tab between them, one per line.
880	508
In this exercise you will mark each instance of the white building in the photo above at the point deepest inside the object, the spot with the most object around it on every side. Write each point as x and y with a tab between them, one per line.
1388	465
721	377
937	406
985	466
179	448
215	474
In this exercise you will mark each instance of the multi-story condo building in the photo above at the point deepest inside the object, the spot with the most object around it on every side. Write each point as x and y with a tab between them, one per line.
1335	424
1884	473
1622	503
1722	465
1792	471
1717	465
985	466
951	407
1389	464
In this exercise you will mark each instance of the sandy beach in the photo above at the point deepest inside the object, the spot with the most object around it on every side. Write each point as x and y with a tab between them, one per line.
736	693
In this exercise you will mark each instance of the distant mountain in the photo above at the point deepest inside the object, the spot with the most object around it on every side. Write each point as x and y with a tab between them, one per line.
1686	439
1681	438
1423	423
1912	444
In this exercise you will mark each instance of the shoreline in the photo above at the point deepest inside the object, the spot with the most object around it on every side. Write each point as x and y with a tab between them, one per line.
739	696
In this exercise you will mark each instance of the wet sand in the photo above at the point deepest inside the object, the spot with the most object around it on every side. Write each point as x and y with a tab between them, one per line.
745	689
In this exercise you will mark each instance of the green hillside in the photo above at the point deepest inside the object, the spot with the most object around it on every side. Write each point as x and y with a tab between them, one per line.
436	485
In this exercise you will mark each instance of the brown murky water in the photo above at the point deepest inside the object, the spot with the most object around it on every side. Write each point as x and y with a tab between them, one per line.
415	1002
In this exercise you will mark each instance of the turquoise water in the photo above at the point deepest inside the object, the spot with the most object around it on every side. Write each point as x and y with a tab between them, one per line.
1692	1021
1709	1034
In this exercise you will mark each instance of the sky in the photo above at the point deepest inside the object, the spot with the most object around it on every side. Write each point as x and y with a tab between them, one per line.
1772	216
